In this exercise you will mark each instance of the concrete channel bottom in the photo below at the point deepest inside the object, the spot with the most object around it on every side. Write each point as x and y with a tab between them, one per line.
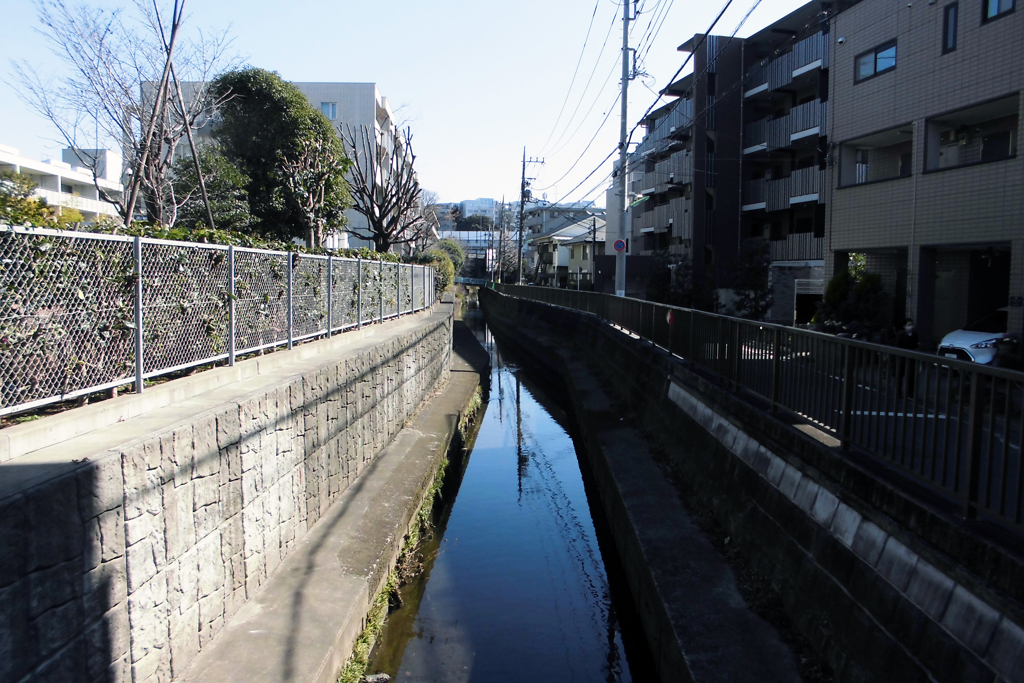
302	626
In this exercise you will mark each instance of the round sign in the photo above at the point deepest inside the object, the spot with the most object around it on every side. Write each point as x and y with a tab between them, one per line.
620	245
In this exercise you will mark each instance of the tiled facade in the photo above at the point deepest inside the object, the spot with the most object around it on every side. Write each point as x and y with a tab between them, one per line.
865	127
944	229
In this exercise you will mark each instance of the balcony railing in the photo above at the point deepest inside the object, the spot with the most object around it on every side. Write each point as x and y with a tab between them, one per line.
755	133
680	168
805	181
802	246
680	117
805	116
662	214
709	116
777	196
780	72
709	169
754	191
778	133
681	224
810	49
647	219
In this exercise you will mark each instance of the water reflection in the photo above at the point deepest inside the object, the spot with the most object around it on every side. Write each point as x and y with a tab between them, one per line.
514	585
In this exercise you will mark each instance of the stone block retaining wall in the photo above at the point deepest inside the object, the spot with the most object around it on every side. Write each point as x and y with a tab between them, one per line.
123	569
883	579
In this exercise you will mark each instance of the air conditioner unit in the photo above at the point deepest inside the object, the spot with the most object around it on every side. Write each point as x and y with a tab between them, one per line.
962	138
947	137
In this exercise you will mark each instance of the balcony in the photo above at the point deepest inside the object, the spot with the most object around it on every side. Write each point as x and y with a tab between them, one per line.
662	216
806	184
809	54
709	169
802	246
808	51
680	214
755	136
680	168
754	193
778	133
777	194
90	208
807	118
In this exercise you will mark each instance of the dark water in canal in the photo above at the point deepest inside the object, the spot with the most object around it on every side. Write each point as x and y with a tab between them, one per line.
518	582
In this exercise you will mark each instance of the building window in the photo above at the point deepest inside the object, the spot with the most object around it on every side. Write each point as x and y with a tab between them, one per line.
979	134
949	28
997	8
874	62
330	109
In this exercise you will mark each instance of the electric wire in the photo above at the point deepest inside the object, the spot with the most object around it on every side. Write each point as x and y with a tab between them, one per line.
586	88
572	82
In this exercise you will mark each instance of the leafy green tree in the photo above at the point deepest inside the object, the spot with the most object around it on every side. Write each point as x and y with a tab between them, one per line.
753	281
291	154
454	251
474	223
852	295
225	187
18	206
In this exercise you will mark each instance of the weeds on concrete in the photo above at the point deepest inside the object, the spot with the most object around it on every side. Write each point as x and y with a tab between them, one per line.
408	565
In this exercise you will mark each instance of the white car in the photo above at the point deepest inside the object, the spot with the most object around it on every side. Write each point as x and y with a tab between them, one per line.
978	341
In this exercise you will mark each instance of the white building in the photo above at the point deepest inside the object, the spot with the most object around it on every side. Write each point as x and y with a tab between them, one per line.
62	184
478	207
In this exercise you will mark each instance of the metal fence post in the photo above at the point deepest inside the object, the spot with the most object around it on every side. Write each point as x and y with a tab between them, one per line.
330	295
398	290
846	416
412	288
974	441
231	305
291	308
380	290
359	293
776	369
139	364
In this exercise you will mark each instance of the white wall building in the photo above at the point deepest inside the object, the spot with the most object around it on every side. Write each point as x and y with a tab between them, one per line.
478	207
62	184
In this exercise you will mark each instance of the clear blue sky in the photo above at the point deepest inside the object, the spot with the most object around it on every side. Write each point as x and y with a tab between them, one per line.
477	81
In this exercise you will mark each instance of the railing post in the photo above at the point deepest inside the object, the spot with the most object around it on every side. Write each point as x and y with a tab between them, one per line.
380	291
330	295
291	308
776	368
139	350
846	416
359	293
974	441
412	288
736	354
231	306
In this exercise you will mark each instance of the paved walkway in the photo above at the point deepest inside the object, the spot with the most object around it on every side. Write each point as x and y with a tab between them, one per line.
303	624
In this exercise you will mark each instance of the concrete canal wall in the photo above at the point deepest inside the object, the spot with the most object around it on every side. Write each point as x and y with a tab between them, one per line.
877	572
134	529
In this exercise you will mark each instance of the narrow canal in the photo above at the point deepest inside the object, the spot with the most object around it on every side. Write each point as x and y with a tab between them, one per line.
520	581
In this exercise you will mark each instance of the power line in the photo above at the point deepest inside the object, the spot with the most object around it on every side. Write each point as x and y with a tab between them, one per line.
574	74
589	81
587	148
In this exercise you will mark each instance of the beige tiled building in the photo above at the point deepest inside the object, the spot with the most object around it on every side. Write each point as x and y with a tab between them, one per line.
925	176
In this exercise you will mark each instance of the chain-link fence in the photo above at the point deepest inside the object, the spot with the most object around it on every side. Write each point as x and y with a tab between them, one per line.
80	312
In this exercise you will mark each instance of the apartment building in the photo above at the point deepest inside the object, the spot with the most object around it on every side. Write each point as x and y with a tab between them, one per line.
66	183
582	252
926	179
683	180
544	219
478	207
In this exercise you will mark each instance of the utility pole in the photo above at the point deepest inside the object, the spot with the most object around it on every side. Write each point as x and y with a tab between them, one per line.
523	194
593	252
620	198
501	238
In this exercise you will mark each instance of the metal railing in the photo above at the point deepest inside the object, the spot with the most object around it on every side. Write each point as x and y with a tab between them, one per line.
83	312
801	246
955	425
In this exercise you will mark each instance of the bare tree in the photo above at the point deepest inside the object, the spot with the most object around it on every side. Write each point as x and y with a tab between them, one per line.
384	187
123	91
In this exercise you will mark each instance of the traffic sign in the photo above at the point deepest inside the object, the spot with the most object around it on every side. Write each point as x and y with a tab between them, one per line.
620	245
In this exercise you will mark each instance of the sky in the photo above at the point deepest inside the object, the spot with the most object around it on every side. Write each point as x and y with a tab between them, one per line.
478	82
